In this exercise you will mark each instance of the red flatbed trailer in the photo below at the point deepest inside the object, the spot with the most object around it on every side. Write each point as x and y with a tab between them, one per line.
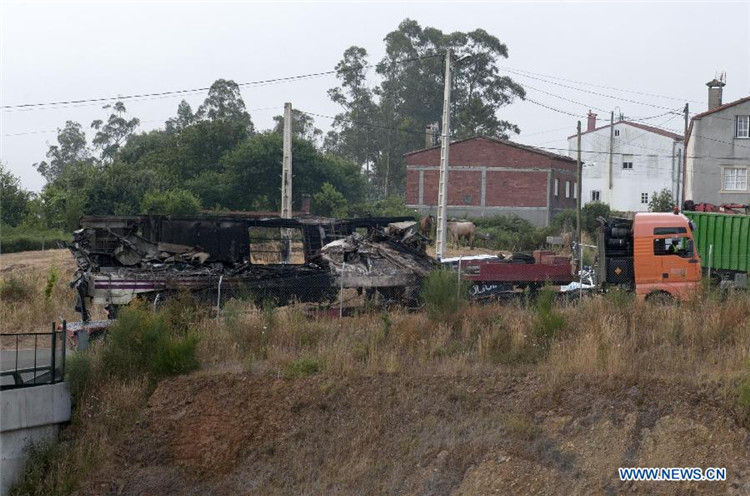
496	277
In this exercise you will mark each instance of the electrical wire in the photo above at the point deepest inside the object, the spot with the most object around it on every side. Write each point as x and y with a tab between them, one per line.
181	92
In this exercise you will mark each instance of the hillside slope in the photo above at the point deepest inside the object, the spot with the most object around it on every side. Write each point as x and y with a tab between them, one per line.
423	434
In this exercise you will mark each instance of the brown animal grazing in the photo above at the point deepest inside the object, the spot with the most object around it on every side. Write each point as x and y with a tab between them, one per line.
425	226
458	230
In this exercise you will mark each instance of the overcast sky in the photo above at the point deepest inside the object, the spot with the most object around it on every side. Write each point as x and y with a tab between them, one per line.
60	51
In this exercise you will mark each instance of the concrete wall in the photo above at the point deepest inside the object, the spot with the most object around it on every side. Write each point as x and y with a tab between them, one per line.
654	160
713	147
28	415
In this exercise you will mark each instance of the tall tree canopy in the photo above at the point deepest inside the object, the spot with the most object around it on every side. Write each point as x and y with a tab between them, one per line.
379	124
112	134
71	149
224	103
210	159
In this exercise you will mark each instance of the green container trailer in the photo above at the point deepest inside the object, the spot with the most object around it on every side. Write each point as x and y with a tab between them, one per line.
726	236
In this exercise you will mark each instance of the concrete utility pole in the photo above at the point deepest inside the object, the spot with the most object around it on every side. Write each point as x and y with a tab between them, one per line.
444	162
286	175
578	187
286	185
611	149
683	166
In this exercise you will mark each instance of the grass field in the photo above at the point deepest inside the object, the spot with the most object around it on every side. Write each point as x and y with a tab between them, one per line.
543	398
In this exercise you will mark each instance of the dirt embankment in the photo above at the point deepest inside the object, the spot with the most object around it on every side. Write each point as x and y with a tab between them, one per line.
418	434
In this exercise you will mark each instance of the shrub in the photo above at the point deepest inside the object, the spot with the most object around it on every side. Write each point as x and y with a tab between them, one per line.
548	321
301	367
171	202
140	342
50	284
743	400
443	294
23	238
79	373
42	461
14	289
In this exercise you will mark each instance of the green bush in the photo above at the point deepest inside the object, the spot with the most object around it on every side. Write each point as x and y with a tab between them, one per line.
392	206
14	289
171	202
140	342
50	284
548	320
79	372
301	367
443	294
42	460
743	400
17	239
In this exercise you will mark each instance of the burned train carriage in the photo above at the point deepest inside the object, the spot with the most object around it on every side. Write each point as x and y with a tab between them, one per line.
121	258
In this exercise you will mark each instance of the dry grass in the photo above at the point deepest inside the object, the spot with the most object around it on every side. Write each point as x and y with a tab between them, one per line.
704	339
34	312
602	340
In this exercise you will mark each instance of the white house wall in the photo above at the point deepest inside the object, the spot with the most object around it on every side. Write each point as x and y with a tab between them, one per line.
654	166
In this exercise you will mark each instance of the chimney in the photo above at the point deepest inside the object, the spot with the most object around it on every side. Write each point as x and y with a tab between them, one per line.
714	93
305	204
592	122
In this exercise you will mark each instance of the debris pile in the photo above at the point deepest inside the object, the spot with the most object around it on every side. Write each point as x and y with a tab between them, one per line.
121	258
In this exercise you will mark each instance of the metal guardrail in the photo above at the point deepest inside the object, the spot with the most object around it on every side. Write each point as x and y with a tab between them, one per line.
32	359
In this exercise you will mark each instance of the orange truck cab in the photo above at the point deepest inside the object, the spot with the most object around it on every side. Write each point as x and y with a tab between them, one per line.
654	255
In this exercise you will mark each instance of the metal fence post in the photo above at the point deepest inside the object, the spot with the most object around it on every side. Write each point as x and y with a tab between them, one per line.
64	348
341	291
458	281
710	256
54	352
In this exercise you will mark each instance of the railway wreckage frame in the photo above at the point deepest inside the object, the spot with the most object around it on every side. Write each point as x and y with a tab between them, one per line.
121	258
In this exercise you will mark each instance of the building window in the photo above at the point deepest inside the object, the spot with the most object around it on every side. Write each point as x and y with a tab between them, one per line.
735	179
575	191
567	189
557	187
617	132
644	198
742	126
595	195
627	162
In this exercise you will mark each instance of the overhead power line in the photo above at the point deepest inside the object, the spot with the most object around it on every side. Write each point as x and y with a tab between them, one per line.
586	91
180	92
655	95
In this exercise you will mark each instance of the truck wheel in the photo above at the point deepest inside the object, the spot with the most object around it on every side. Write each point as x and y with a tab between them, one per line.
660	298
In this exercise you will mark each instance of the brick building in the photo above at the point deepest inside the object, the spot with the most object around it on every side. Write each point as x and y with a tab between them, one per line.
489	176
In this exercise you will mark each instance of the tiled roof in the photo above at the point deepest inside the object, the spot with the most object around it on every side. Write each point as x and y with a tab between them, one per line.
652	129
503	142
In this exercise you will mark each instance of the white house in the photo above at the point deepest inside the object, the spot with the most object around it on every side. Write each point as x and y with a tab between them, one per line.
626	163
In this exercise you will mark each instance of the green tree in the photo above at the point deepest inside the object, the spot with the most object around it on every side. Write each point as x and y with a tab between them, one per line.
112	134
379	124
661	201
71	149
329	202
225	103
14	200
592	211
185	118
252	173
170	202
303	126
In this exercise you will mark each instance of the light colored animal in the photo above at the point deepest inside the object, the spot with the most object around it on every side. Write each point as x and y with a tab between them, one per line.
462	230
425	226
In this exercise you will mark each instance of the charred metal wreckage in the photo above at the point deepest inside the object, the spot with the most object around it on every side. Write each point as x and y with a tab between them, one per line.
121	258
